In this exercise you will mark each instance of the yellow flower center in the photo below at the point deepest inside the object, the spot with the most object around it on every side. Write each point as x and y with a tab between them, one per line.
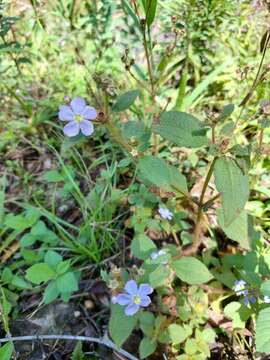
137	300
78	118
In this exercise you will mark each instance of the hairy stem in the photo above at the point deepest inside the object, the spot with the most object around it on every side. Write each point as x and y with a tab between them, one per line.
197	232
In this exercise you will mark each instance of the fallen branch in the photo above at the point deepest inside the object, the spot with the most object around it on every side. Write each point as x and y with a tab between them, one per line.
102	341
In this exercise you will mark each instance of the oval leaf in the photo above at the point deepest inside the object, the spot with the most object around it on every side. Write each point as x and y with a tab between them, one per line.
163	175
39	273
6	351
233	186
182	129
142	246
192	271
147	347
150	7
121	326
240	230
263	331
126	100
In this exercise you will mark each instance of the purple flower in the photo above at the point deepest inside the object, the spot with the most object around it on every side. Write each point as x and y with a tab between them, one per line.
165	213
77	114
239	287
134	298
249	299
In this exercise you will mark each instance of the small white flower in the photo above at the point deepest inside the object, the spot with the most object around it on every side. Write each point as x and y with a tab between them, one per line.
156	254
165	213
266	299
240	287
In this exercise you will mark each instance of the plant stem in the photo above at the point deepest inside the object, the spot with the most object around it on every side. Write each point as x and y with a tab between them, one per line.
213	128
197	232
152	82
102	341
148	60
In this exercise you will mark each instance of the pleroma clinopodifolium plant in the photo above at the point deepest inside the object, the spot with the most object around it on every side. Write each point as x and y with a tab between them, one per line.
167	293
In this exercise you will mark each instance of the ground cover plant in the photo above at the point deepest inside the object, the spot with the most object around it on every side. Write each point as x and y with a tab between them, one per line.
134	179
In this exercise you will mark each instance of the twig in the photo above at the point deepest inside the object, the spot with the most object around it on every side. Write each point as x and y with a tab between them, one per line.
102	341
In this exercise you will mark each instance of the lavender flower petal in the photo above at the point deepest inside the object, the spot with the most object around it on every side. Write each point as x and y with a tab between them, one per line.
246	300
71	129
86	127
131	309
123	299
131	287
89	113
144	290
65	113
165	213
78	104
145	301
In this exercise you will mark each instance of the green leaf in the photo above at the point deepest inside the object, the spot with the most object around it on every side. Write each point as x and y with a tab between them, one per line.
129	10
39	273
262	338
124	163
39	229
53	176
209	335
28	240
65	296
182	129
31	256
265	288
147	323
147	347
233	186
17	222
227	129
52	258
125	100
63	267
192	271
77	353
238	313
159	276
51	293
6	351
6	275
150	7
142	246
177	333
227	111
67	282
162	175
19	282
6	306
239	230
120	325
